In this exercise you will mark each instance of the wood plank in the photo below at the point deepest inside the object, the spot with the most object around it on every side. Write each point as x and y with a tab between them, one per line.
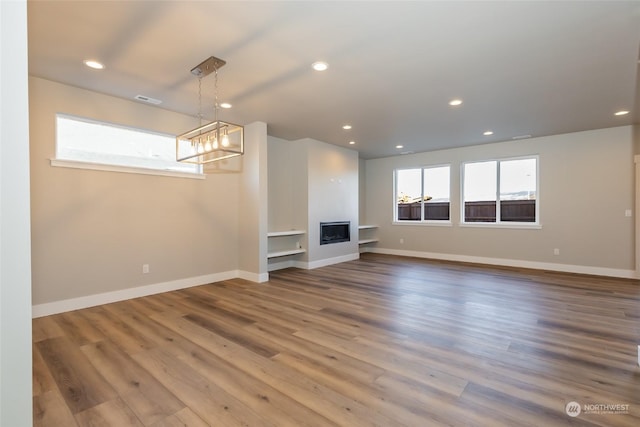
514	410
50	409
206	399
214	311
346	366
183	418
293	317
44	327
129	312
42	380
117	331
112	413
381	403
149	400
78	328
340	409
252	342
440	407
390	360
78	381
271	404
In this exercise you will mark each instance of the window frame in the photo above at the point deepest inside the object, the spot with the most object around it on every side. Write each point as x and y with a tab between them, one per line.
498	222
422	221
58	161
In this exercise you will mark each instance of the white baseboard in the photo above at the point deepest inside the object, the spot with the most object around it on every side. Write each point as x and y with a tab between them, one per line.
253	277
565	268
331	261
311	265
71	304
282	264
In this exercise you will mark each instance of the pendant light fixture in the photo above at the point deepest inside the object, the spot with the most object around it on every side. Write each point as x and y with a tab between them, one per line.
214	141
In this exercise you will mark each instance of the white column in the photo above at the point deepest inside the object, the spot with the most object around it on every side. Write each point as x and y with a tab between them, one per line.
637	217
254	205
15	238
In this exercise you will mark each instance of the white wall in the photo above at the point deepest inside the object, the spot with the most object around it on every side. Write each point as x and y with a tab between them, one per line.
636	139
332	196
312	182
280	185
287	194
93	230
586	184
299	176
362	203
252	205
637	217
15	265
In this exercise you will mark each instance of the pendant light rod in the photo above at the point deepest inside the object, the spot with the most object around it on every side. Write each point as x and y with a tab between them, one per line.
208	66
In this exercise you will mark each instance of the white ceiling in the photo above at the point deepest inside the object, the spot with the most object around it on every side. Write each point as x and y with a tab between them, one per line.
536	68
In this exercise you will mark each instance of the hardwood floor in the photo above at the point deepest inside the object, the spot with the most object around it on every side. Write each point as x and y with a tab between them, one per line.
382	341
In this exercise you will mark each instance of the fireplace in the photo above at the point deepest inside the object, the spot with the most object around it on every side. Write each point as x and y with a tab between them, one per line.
335	232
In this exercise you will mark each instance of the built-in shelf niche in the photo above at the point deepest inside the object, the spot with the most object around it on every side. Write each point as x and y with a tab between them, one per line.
285	243
367	234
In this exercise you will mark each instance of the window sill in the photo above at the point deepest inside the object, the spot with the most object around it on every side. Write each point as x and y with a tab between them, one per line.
512	225
424	223
123	169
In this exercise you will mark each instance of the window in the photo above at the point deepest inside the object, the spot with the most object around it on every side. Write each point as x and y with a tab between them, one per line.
501	191
88	141
422	194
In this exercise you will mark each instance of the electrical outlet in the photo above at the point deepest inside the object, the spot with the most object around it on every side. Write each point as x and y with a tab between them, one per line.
627	213
401	241
145	268
556	251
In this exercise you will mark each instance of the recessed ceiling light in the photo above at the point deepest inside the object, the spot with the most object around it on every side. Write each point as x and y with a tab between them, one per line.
399	146
487	133
352	142
320	66
225	105
346	127
455	102
93	64
622	113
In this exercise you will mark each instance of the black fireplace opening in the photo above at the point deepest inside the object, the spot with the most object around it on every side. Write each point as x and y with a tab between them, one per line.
335	232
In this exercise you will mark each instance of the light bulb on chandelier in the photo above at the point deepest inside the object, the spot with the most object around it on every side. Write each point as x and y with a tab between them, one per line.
225	139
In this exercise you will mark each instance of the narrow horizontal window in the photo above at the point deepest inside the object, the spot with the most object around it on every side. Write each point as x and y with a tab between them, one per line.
93	142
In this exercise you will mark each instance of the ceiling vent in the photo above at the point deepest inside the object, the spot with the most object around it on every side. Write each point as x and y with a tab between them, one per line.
148	100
